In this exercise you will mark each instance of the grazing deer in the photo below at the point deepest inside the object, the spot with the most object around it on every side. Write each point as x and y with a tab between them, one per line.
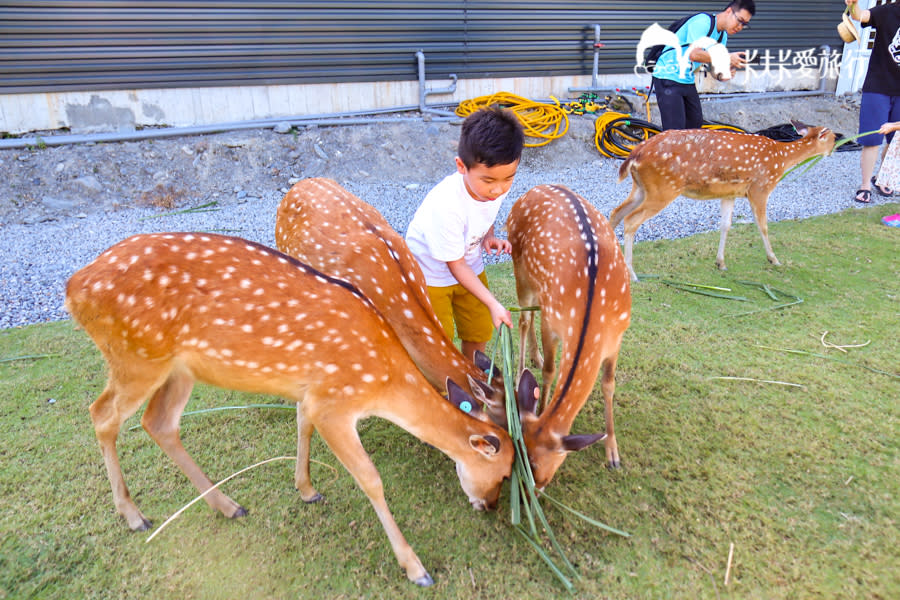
323	225
167	310
706	164
567	261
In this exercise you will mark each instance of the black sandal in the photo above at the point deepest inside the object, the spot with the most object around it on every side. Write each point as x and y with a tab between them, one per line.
863	196
881	190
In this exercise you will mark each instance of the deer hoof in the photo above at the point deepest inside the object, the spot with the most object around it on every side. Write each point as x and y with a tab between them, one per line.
424	581
240	512
143	524
317	498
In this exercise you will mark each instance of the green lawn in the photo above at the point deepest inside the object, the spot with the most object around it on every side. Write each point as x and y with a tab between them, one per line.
802	479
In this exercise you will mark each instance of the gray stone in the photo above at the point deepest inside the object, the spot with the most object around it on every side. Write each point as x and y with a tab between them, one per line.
89	183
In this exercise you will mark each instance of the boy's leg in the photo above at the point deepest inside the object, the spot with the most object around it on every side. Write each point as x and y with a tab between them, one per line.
442	303
473	320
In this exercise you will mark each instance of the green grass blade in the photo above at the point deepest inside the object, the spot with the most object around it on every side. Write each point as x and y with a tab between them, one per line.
695	289
546	558
291	407
27	357
586	518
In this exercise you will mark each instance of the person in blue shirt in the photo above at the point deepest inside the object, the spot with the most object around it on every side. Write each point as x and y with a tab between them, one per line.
676	93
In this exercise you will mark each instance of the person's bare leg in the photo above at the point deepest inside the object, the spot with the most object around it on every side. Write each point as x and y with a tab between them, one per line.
867	159
469	348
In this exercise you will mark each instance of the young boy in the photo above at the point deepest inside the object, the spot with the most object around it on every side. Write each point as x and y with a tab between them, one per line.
456	222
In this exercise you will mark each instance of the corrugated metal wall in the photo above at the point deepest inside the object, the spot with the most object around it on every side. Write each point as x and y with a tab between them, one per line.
48	45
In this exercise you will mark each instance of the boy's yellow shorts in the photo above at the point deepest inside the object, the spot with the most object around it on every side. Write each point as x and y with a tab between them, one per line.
455	304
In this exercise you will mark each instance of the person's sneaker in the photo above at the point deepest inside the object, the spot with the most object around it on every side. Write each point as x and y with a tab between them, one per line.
891	220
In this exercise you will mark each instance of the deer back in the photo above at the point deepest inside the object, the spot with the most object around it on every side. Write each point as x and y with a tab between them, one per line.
714	163
324	225
567	261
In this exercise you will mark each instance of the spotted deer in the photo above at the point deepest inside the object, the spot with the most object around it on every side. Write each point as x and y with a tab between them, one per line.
705	164
325	226
566	261
167	310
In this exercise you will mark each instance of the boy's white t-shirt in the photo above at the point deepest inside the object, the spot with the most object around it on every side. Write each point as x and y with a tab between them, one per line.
450	225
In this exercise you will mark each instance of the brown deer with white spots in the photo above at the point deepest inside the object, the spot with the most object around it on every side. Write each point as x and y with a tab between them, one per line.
167	310
325	226
567	261
705	164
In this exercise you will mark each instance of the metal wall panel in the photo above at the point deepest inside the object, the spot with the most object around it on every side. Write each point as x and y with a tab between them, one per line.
56	45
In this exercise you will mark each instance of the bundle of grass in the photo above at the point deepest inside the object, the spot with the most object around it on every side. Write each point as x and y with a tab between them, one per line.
524	495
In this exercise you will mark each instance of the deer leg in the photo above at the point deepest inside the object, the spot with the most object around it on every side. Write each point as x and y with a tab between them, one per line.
161	420
528	342
634	220
758	202
623	210
526	295
108	412
550	342
608	387
726	211
302	480
343	439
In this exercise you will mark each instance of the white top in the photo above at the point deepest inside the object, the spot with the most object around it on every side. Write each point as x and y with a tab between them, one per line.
450	225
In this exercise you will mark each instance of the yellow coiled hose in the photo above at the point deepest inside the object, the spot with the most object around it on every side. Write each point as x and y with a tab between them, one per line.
616	134
545	122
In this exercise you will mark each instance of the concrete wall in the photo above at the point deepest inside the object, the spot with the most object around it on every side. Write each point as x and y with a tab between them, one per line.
127	110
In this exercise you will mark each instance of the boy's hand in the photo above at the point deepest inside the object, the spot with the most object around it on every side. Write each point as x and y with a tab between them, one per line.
499	314
493	244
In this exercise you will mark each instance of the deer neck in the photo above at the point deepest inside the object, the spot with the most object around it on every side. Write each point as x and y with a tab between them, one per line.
800	150
428	416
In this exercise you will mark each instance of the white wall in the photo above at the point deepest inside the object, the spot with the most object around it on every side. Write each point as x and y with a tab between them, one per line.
126	110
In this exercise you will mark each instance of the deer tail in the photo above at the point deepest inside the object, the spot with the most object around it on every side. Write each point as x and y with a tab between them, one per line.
625	168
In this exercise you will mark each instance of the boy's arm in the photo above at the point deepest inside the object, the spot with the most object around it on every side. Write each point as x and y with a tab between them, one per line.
469	280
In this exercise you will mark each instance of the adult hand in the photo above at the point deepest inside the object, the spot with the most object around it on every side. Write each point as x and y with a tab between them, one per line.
889	127
738	60
855	13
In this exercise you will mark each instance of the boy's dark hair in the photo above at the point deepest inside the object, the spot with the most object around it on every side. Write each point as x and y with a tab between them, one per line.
491	136
748	5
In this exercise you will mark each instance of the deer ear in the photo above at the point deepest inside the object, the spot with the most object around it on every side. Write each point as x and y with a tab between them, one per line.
799	127
489	445
484	362
526	393
571	443
480	389
824	133
462	400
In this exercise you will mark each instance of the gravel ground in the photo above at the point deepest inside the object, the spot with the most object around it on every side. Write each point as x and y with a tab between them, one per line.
66	204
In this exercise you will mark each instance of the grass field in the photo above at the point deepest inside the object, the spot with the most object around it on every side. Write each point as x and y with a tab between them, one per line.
745	434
